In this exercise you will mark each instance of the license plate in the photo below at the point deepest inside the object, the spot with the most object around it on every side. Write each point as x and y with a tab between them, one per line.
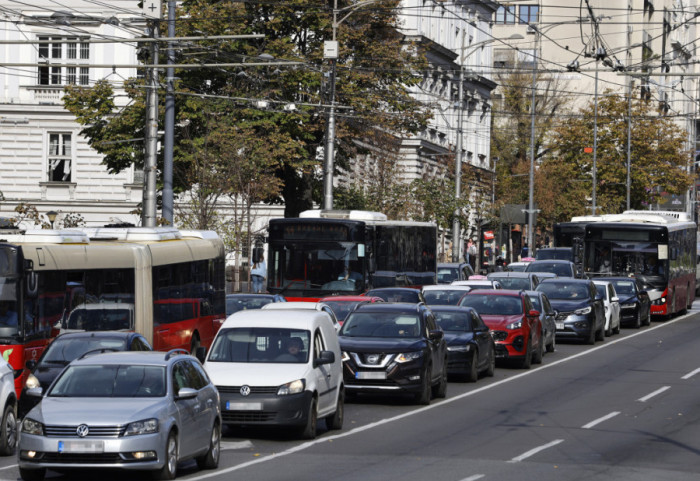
370	375
81	446
233	406
560	326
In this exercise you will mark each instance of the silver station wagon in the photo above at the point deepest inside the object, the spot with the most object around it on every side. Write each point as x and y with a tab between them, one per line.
126	410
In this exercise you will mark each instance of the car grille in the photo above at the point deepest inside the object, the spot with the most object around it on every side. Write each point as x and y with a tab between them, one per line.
499	335
93	431
242	417
84	458
563	315
253	389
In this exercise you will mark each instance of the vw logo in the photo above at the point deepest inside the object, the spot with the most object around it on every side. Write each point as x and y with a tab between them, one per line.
373	359
82	430
245	390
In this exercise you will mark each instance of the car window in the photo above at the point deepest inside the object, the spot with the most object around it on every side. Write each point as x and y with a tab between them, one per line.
63	351
319	344
454	321
140	344
477	322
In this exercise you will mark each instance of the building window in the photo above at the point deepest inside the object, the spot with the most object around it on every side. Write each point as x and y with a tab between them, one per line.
506	14
60	157
64	50
528	14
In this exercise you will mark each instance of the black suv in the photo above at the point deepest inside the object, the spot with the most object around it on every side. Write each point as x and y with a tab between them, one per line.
580	313
394	348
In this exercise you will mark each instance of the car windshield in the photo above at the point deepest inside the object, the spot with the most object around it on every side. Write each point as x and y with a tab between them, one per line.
514	283
63	351
493	305
445	275
563	254
240	303
556	290
110	380
454	321
100	317
516	267
561	270
260	345
384	324
446	297
395	295
624	287
341	309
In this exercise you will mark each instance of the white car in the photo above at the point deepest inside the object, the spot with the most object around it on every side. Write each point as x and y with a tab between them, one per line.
8	403
316	306
606	290
478	284
278	368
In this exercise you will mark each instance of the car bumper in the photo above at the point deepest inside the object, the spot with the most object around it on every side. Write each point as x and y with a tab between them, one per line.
510	344
57	452
629	316
395	378
576	327
265	409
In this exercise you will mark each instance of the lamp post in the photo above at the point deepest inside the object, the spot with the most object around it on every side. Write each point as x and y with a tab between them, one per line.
456	229
52	216
331	52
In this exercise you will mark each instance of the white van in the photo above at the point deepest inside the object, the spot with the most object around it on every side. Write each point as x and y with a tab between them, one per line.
279	368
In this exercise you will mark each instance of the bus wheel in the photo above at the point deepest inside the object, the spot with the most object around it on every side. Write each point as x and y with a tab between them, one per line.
194	344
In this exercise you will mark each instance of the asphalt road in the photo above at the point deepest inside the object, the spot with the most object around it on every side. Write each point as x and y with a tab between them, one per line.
624	409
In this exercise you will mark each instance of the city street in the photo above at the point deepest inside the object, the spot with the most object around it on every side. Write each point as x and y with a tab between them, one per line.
624	409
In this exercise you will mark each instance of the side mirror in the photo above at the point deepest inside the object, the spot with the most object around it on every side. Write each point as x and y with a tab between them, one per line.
30	364
436	335
186	393
35	392
615	299
201	353
534	313
326	357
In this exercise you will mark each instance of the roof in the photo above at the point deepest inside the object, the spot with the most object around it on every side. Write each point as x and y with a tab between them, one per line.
400	307
277	318
100	334
446	287
496	292
447	308
564	280
522	275
156	358
350	299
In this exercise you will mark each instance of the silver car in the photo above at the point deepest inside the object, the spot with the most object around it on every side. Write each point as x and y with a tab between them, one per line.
127	410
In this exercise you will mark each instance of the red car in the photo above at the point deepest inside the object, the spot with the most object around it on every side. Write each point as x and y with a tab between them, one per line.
513	321
343	305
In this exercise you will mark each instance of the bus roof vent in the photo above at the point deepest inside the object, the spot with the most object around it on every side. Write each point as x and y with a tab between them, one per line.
681	216
199	234
587	218
132	234
344	214
47	236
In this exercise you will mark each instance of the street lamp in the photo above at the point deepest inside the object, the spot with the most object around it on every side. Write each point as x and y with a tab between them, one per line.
52	216
456	230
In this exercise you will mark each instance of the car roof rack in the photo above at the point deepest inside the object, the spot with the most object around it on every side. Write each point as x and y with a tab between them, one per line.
101	350
176	352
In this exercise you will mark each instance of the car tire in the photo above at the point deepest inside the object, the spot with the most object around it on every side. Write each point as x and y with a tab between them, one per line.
609	331
638	320
591	337
491	368
32	474
335	420
616	330
600	333
8	431
194	344
526	362
210	460
169	469
552	346
539	353
440	389
472	373
423	397
647	320
309	430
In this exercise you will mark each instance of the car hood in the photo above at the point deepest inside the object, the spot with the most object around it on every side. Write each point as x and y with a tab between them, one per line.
453	338
95	411
499	322
374	344
254	374
564	305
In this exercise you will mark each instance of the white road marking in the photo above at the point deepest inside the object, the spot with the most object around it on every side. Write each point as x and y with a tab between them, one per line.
600	420
536	450
235	445
10	466
691	374
474	478
651	395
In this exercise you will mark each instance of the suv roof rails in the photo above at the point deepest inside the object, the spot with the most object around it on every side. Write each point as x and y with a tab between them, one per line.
176	352
101	350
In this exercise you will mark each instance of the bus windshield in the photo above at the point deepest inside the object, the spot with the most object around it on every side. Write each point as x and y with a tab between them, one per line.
625	258
328	266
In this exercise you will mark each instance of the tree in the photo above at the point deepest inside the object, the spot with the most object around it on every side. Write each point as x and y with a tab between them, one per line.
377	99
658	151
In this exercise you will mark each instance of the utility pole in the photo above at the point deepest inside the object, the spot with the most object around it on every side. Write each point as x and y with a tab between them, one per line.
456	230
169	127
148	217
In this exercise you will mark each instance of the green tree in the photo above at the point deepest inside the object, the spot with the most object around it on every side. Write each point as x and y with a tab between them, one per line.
658	159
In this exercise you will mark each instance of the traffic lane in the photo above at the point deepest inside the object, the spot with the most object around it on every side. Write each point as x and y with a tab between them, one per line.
460	435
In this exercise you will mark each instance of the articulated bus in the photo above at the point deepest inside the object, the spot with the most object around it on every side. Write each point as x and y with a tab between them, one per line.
659	248
324	253
163	283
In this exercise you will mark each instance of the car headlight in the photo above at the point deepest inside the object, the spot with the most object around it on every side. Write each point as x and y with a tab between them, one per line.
147	426
31	382
31	426
462	348
583	311
294	387
408	356
345	356
515	325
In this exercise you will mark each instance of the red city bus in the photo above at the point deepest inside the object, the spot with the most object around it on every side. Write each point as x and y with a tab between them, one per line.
45	275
